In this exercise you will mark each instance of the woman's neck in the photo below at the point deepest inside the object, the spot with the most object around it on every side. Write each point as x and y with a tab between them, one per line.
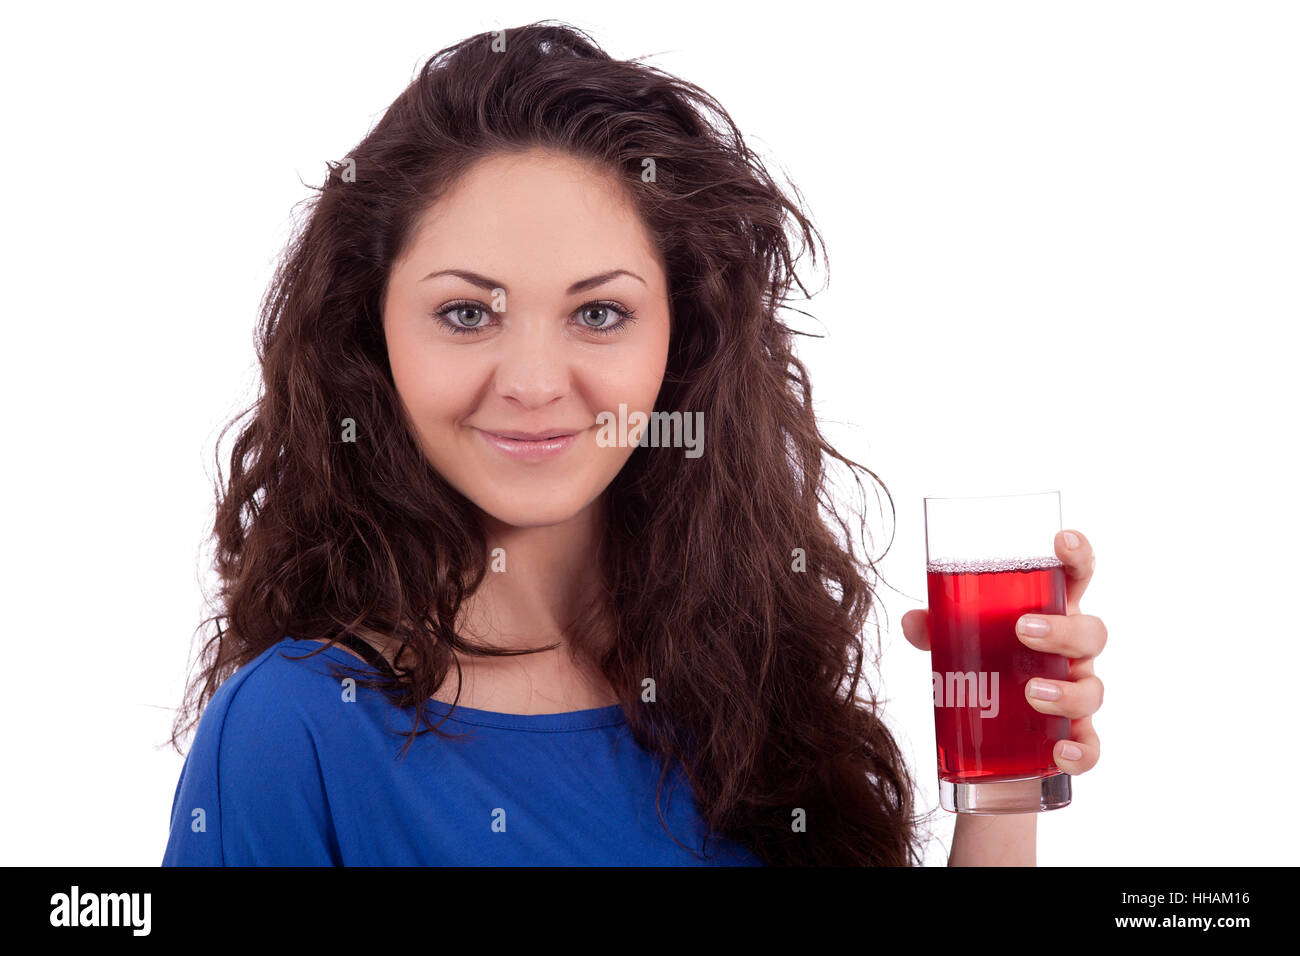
543	586
540	581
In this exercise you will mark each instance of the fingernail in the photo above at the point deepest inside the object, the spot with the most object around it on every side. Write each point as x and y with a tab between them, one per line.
1043	690
1071	540
1071	751
1031	626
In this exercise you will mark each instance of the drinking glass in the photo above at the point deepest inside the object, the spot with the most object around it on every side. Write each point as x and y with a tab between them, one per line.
989	560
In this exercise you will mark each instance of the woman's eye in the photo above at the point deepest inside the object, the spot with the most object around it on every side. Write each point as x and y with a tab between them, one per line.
459	318
602	312
459	310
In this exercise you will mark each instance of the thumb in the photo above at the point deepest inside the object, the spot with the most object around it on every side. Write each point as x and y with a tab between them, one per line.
916	628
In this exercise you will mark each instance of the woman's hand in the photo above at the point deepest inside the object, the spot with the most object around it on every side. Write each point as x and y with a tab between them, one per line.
1079	637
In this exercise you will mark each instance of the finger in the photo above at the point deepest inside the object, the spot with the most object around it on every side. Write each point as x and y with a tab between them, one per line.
1071	635
1073	699
1085	738
916	628
1079	563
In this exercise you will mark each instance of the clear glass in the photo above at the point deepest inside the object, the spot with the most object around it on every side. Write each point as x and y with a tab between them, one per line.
988	561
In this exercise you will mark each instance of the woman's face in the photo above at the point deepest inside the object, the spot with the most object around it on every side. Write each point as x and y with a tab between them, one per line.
518	258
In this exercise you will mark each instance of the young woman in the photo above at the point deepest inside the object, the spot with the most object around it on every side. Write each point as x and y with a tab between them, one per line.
524	551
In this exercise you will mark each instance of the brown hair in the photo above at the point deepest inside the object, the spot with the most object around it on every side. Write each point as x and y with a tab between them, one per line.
757	662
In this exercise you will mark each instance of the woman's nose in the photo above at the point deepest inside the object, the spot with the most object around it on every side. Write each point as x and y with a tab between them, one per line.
533	363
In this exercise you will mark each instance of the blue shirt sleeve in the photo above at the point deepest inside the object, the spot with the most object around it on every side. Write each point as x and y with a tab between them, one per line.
251	791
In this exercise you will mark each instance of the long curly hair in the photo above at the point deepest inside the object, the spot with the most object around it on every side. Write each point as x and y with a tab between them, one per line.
723	575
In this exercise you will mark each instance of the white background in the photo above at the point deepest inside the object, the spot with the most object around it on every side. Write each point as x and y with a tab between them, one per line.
1063	243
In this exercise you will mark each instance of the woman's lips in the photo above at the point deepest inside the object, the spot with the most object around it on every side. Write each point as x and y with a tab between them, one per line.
521	450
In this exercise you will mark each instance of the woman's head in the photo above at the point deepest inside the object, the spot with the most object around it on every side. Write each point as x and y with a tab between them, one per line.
532	160
530	299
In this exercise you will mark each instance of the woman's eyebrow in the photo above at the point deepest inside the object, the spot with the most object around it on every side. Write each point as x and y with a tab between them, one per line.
483	282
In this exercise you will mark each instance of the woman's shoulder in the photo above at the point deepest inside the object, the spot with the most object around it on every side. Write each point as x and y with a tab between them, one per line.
252	778
260	698
282	700
271	679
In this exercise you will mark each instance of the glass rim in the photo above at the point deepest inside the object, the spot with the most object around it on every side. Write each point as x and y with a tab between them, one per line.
1022	494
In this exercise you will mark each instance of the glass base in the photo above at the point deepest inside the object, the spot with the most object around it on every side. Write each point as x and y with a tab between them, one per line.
1017	795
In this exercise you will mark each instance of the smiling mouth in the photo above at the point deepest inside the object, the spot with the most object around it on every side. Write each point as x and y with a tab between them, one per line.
531	436
522	446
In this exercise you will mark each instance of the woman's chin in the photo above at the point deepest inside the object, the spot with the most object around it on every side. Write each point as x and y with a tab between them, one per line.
529	514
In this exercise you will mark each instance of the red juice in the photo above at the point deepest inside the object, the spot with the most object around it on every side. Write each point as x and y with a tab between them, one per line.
984	726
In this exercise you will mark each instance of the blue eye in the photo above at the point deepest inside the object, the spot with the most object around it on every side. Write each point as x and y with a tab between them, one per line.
626	316
618	310
460	307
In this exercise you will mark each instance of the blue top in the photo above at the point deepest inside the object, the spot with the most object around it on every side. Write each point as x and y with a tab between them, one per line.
286	770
